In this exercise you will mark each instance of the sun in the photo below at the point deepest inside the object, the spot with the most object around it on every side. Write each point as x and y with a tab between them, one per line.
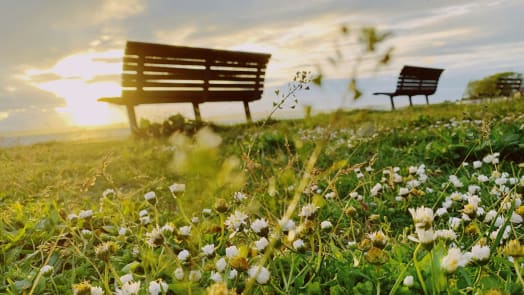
80	79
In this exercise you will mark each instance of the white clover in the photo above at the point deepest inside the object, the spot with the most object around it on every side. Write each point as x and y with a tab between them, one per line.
221	264
155	238
86	232
157	287
422	216
167	228
179	274
216	277
490	215
46	270
330	195
412	169
287	224
122	231
446	234
376	189
195	275
195	220
236	220
454	259
95	290
72	216
206	211
298	244
515	218
177	188
85	214
261	244
480	253
185	230
183	255
477	164
208	249
145	220
403	191
239	196
455	222
408	281
150	196
260	273
233	274
108	192
426	236
129	288
259	225
441	211
397	178
142	213
308	210
231	251
126	278
482	178
326	224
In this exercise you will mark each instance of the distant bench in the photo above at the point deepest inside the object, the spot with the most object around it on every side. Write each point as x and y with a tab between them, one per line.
157	73
415	81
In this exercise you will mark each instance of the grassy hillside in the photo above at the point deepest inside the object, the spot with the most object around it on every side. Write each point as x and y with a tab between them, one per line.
418	200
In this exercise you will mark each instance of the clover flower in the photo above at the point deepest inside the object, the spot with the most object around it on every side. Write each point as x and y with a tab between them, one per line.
179	274
157	287
122	231
482	178
239	196
378	238
208	249
84	214
422	216
126	278
236	220
105	250
454	259
195	275
477	164
326	224
298	244
183	255
150	196
231	251
155	237
261	244
260	274
129	288
260	226
287	224
376	189
403	191
446	234
167	228
330	195
221	264
480	253
308	210
108	192
426	237
46	270
95	290
491	158
195	219
408	281
177	188
216	277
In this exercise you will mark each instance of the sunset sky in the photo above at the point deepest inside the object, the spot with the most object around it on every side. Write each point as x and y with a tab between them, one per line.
59	56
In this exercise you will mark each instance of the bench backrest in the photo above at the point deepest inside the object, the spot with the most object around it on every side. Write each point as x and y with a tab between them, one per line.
508	86
157	73
417	80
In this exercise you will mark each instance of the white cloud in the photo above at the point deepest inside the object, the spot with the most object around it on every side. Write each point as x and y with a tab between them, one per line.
118	9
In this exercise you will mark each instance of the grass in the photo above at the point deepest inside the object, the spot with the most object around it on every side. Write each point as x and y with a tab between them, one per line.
360	202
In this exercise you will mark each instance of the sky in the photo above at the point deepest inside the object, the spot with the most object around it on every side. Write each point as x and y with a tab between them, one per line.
59	56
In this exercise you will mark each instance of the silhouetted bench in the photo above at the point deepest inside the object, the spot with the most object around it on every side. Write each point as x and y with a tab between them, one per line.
507	86
157	73
415	81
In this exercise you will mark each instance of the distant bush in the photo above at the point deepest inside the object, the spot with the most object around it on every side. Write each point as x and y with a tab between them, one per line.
175	123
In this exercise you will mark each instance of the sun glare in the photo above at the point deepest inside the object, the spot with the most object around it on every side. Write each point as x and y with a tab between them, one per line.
80	80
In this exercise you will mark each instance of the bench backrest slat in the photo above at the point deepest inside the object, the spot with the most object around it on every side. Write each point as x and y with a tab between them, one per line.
156	73
507	86
418	80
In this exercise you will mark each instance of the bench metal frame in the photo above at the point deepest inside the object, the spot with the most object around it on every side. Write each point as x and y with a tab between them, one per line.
158	73
415	81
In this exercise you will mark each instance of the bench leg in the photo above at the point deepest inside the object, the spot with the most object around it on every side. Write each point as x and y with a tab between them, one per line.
392	103
196	109
248	113
410	102
132	118
427	100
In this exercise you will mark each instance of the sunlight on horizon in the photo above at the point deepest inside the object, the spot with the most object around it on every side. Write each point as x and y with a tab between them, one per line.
76	83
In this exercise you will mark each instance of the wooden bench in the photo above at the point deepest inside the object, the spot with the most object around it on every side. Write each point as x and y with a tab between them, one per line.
157	73
415	81
508	86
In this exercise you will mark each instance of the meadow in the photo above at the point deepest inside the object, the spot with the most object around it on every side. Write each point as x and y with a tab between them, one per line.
422	200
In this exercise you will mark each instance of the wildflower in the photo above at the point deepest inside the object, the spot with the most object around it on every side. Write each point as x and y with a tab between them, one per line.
378	238
514	249
155	238
233	274
108	192
206	211
408	281
236	220
330	195
83	288
179	273
96	290
260	226
72	216
482	178
376	189
490	215
221	264
422	217
129	288
46	270
308	210
185	231
260	273
195	275
195	219
150	196
216	277
326	224
239	196
177	188
441	211
126	278
403	191
426	236
261	244
412	169
231	251
287	224
122	231
86	233
477	164
85	214
454	222
183	255
491	158
470	210
157	287
515	218
479	253
298	244
453	260
142	213
105	250
145	220
208	249
446	234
